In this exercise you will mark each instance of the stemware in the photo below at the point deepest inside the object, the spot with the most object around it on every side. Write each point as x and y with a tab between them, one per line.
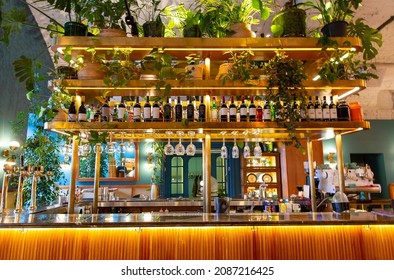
246	150
223	149
110	147
235	150
168	148
179	148
191	148
257	152
121	149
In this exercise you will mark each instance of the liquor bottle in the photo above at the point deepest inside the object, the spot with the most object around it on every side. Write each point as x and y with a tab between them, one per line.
147	110
267	112
121	111
113	117
201	110
82	111
233	110
190	110
167	111
214	110
296	109
333	110
223	110
105	110
91	113
137	110
326	110
243	111
259	112
178	110
156	112
97	115
318	110
72	111
311	110
343	111
252	110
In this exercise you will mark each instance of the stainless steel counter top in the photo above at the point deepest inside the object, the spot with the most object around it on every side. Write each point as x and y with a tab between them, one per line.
168	202
189	220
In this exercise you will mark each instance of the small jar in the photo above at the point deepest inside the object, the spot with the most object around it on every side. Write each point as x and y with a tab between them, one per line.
356	112
343	111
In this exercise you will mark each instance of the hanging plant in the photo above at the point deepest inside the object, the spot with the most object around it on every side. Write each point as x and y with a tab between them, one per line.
284	89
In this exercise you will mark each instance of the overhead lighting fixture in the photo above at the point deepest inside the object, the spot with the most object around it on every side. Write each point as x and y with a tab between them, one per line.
349	92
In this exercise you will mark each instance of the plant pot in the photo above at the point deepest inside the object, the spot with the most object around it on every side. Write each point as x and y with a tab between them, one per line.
66	72
224	68
242	30
72	28
154	191
195	71
289	23
112	32
335	29
153	29
222	204
193	31
91	71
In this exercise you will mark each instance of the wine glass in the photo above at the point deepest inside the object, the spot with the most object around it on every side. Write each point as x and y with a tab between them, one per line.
168	148
179	148
191	148
246	150
110	147
121	149
235	150
257	150
223	150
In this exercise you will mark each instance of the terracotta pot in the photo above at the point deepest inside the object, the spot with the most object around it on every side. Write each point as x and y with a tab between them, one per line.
242	30
90	71
223	69
112	32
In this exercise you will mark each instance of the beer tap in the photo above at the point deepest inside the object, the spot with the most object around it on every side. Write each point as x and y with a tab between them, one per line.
37	173
9	170
23	173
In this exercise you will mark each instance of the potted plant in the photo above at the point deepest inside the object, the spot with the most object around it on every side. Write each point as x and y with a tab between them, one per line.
238	68
107	16
222	202
149	12
194	69
290	21
334	15
158	163
190	22
284	88
233	18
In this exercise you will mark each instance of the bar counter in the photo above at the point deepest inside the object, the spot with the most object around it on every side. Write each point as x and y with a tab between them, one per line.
195	236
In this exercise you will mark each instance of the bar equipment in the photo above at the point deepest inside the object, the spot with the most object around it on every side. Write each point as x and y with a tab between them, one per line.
191	148
168	148
246	150
23	173
235	150
37	172
223	149
179	148
9	171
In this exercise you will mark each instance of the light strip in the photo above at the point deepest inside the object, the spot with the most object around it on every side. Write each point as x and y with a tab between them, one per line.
60	132
349	92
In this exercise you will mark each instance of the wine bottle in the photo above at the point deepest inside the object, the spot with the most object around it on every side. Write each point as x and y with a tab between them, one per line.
223	110
201	110
333	110
267	112
318	110
92	113
259	112
167	110
147	110
121	170
214	110
296	109
243	111
178	110
190	110
114	114
137	110
97	115
156	112
105	110
82	111
72	111
121	111
252	110
326	110
233	110
311	110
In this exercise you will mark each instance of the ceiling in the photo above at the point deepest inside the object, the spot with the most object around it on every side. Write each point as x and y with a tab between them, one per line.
378	98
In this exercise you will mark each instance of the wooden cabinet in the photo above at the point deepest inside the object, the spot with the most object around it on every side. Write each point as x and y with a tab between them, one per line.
264	169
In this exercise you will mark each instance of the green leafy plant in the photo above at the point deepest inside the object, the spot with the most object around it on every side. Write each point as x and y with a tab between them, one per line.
242	67
284	87
158	162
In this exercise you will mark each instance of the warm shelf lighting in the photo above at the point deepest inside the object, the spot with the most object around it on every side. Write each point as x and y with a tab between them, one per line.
349	92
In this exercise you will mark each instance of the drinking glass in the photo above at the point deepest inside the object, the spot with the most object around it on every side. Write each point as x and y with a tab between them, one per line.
246	150
223	150
235	150
110	148
168	148
121	149
179	148
257	152
191	149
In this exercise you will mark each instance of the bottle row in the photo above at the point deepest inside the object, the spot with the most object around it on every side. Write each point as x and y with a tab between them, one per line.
174	110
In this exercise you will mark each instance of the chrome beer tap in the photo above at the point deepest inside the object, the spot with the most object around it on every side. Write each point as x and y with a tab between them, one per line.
9	170
37	173
23	173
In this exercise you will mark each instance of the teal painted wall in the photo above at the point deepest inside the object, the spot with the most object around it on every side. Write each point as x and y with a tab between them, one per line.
378	139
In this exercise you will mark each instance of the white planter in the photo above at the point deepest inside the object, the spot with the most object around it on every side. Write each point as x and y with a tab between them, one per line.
195	72
242	30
